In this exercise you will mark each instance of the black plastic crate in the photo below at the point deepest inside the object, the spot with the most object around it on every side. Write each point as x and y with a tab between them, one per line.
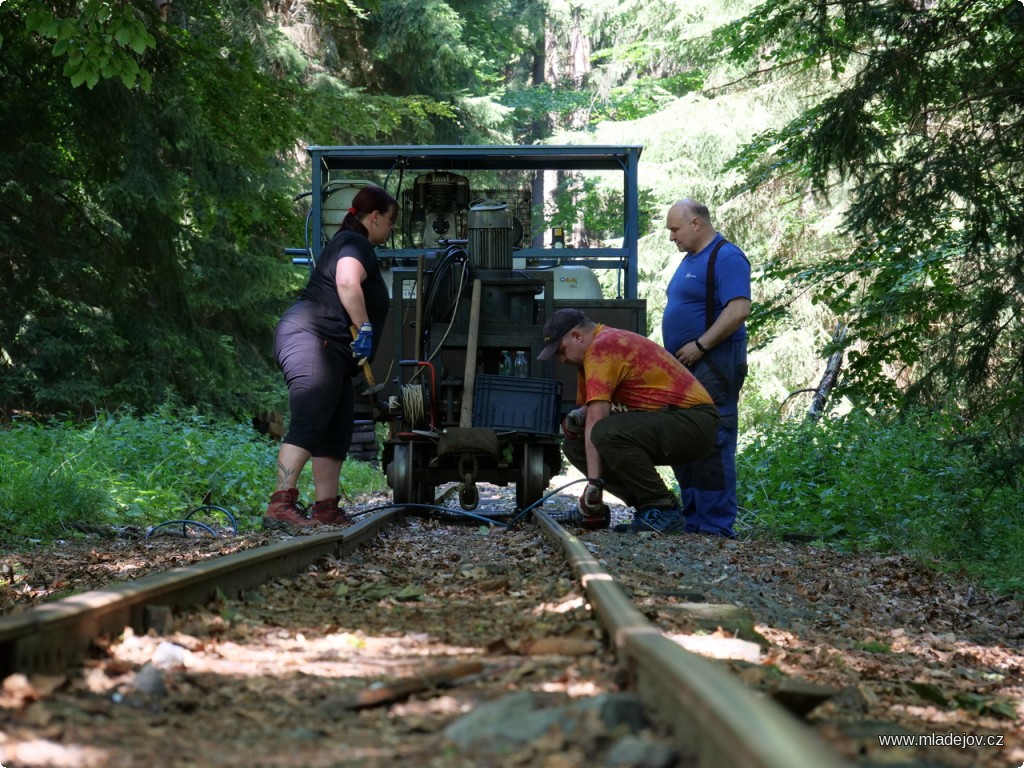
512	403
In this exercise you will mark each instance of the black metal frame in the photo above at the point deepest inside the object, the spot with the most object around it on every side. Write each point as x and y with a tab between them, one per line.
397	158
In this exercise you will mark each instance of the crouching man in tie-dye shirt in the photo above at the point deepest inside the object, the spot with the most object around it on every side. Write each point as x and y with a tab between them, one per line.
640	408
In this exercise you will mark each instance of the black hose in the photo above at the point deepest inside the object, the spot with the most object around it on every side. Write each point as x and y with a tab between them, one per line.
463	513
445	264
184	527
542	499
436	507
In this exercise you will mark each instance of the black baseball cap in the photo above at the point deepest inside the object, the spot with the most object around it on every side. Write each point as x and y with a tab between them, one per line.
559	324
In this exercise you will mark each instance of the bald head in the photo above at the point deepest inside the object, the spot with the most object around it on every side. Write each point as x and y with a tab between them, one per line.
689	225
691	207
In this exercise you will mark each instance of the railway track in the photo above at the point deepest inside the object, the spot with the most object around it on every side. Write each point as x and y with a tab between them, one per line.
310	651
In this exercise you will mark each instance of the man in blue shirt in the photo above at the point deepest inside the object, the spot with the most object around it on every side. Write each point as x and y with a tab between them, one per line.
703	326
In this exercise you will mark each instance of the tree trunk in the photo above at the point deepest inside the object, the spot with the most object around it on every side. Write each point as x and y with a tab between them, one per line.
828	381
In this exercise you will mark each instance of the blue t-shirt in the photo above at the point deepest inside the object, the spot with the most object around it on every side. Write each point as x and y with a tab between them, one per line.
684	319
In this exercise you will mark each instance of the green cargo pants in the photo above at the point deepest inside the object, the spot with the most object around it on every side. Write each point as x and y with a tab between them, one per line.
632	444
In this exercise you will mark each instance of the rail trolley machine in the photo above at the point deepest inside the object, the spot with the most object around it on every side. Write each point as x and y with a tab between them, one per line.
474	267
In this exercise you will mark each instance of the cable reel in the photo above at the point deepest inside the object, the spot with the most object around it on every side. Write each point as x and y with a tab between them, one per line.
415	399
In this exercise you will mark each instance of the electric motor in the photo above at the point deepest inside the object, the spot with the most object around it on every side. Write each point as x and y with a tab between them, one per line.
490	235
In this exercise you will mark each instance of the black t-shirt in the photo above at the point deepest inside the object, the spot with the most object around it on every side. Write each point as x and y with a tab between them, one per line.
319	308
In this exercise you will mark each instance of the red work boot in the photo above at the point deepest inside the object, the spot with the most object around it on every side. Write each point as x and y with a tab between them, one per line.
326	512
283	511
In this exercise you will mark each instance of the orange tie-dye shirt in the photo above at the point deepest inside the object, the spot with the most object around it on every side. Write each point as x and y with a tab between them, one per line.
628	370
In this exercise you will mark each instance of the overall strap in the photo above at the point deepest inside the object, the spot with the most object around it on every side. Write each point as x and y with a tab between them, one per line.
709	306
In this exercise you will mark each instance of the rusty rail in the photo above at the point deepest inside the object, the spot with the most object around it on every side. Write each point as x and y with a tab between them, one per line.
712	715
53	637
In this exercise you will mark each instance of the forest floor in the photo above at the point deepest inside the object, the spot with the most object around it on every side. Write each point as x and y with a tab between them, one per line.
906	650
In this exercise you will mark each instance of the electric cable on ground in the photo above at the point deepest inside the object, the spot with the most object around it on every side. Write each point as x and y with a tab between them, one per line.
542	499
463	513
436	507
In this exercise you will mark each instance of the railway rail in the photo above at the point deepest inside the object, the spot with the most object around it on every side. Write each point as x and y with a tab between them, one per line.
708	716
381	643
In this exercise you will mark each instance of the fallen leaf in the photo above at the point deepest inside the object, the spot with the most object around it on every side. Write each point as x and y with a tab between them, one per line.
557	646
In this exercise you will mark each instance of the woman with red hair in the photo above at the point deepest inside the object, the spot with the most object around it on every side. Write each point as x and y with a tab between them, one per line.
315	348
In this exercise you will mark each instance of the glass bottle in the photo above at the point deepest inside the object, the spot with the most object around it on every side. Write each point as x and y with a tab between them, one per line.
505	368
521	367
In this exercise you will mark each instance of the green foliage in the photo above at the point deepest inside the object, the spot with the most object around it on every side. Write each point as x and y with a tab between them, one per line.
102	40
139	240
558	100
626	102
919	125
647	54
504	34
141	231
455	54
419	43
124	469
597	204
645	96
920	482
44	501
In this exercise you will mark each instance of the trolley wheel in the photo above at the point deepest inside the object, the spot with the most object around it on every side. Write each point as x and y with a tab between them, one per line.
402	476
533	476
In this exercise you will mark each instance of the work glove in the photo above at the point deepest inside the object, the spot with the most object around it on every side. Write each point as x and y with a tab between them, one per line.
362	346
591	502
573	424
